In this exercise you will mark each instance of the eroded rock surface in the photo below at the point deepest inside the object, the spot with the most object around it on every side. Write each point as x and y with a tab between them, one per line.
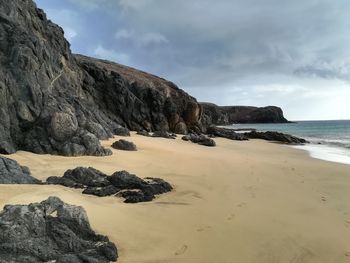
12	173
52	101
51	231
121	183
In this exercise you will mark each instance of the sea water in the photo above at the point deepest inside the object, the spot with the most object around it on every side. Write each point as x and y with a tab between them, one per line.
329	140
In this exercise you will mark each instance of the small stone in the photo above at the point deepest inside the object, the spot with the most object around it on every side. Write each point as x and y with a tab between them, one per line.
124	145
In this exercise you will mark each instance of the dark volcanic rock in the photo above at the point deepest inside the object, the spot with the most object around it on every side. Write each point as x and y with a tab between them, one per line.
276	136
200	139
125	180
51	231
101	191
52	101
122	183
225	115
135	196
81	177
225	133
164	134
124	145
157	186
147	191
144	133
12	173
121	131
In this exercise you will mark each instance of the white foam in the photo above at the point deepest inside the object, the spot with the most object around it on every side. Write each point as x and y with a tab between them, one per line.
328	153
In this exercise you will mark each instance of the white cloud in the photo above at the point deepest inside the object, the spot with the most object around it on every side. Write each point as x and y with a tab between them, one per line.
70	33
141	39
123	33
111	55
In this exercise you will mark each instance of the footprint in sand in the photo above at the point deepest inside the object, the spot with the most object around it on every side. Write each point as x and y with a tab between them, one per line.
181	251
347	223
231	217
324	199
201	229
242	204
347	254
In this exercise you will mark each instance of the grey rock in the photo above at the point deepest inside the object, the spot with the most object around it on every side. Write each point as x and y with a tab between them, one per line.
52	101
124	145
226	115
144	133
164	134
87	176
125	180
51	231
226	133
121	183
12	173
200	139
101	191
135	196
276	136
121	131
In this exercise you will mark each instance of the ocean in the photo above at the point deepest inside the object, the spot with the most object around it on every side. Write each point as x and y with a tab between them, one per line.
329	140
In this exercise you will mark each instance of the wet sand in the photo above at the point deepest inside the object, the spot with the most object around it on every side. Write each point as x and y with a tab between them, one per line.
241	202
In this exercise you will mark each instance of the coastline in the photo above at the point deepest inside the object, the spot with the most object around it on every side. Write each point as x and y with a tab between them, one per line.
251	201
326	153
329	140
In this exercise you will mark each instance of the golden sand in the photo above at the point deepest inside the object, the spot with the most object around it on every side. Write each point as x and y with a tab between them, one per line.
239	202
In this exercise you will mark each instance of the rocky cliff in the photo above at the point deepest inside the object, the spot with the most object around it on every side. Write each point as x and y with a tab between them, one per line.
225	115
52	101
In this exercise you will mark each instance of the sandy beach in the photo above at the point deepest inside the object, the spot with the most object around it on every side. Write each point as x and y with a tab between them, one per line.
242	202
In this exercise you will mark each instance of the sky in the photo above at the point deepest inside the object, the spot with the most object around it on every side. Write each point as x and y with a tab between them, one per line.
292	53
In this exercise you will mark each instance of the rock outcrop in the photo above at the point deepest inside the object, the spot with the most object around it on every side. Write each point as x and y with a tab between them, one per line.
12	173
51	231
164	134
225	115
226	133
200	139
275	136
121	183
124	145
52	101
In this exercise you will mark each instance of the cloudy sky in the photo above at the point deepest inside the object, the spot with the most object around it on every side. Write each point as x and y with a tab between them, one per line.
292	53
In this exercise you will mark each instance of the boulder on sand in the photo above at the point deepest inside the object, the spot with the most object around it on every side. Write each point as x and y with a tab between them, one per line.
51	231
12	173
199	139
124	145
120	183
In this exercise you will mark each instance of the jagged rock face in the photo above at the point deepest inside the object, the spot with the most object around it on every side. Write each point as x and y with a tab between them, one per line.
54	102
225	115
12	173
51	231
139	100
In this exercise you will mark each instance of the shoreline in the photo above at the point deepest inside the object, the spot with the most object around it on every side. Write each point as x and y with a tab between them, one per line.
249	202
326	153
